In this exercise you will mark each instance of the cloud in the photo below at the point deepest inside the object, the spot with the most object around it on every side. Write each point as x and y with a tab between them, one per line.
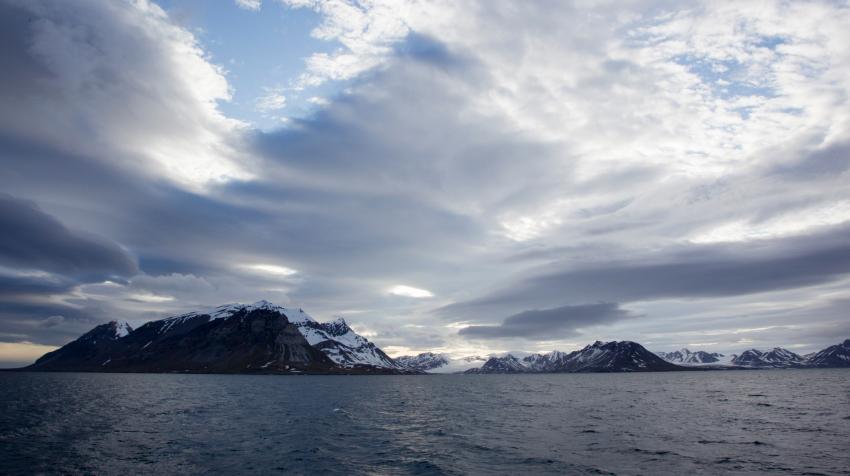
410	291
52	321
366	31
249	4
272	101
118	82
693	271
270	269
37	241
559	322
830	159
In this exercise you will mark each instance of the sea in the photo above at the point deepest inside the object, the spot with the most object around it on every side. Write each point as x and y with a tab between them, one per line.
794	422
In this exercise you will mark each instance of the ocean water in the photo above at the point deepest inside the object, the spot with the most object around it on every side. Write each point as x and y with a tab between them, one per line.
732	422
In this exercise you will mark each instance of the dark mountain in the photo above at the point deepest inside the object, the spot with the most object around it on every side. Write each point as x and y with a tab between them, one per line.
90	352
776	358
624	356
833	356
230	339
501	365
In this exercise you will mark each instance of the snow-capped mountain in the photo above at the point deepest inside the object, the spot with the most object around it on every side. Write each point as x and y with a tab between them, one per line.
833	356
344	346
624	356
501	365
546	362
686	357
433	363
229	338
775	358
336	339
424	362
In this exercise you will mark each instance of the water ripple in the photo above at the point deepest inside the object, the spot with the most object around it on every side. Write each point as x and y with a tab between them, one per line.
666	423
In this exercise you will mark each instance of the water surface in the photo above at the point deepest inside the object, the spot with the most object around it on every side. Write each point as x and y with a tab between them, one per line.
719	422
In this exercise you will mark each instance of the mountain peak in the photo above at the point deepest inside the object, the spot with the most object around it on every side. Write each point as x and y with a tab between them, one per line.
423	362
121	328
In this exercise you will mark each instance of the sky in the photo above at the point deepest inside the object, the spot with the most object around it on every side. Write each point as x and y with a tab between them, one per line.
461	177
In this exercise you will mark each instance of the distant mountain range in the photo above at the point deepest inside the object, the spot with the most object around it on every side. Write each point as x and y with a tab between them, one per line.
266	338
622	356
628	356
687	357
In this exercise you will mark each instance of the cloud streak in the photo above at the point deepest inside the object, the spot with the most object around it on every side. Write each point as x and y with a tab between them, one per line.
687	272
38	241
542	324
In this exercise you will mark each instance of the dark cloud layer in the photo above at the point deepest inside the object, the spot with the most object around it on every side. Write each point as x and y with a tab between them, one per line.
541	324
35	240
696	271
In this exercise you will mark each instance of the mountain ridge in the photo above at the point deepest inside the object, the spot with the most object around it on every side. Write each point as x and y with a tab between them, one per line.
233	338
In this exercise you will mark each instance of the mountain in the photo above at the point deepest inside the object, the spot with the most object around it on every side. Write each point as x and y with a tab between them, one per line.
776	358
686	357
423	362
233	338
549	362
85	353
344	346
432	363
501	365
624	356
833	356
